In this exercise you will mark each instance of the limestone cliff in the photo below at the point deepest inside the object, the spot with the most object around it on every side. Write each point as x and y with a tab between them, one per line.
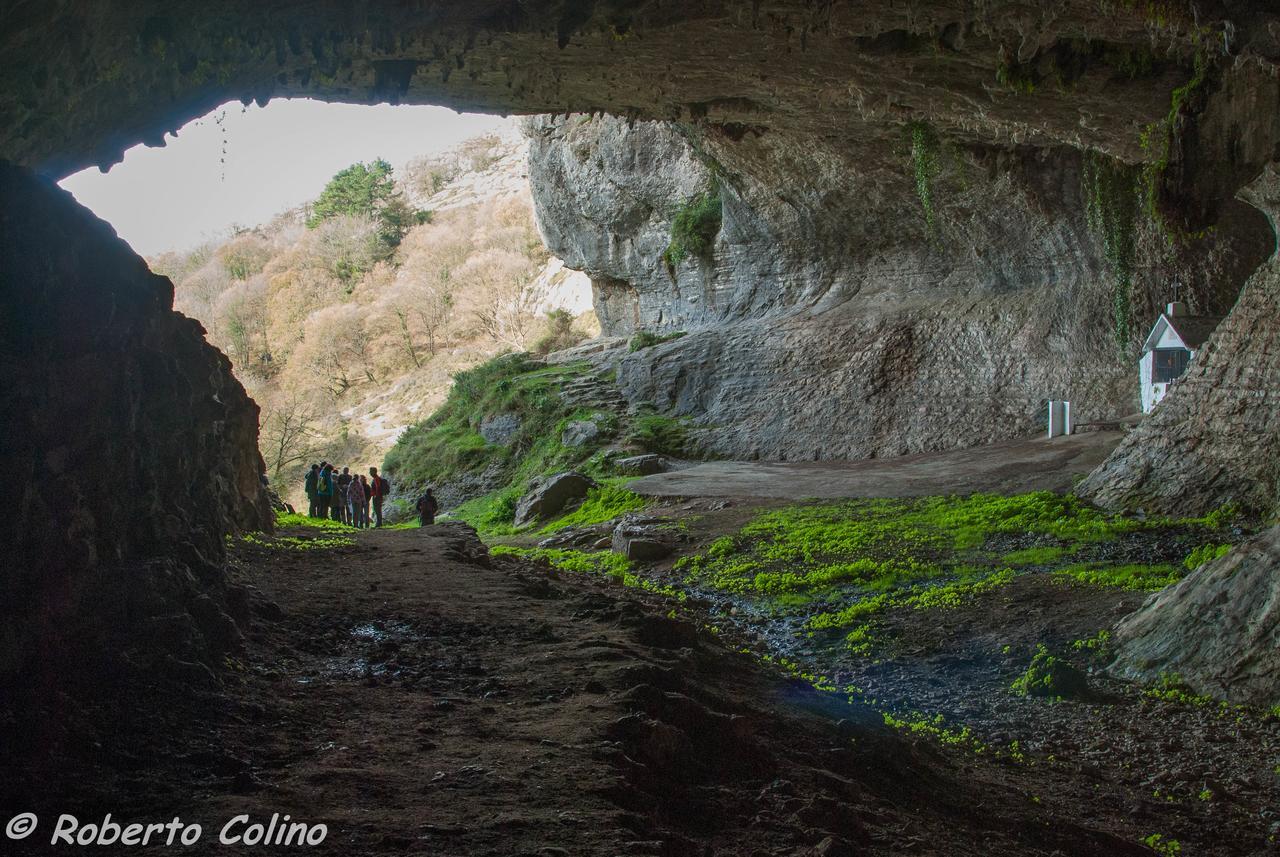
835	315
1213	440
126	437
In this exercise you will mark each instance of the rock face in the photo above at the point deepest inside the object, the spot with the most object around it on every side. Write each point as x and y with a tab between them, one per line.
548	496
1214	438
829	319
1218	629
499	429
125	433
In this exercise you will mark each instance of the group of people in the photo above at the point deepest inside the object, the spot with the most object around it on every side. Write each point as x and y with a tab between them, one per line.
345	497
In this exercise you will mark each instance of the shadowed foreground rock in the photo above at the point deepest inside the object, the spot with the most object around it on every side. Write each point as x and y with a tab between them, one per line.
126	434
1218	629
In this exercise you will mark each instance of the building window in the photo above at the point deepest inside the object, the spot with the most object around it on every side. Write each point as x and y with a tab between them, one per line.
1169	364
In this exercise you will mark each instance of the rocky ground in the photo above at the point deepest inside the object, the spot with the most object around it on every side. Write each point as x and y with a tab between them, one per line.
419	697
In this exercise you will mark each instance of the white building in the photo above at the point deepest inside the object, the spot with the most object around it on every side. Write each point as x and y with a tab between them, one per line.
1172	345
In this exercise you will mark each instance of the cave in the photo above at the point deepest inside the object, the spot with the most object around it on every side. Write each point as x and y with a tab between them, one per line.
974	206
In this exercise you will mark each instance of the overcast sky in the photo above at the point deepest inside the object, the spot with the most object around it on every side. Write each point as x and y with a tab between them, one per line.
278	156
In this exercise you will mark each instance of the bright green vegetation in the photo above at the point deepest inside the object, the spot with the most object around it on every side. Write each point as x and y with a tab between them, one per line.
1203	554
862	614
885	543
1162	846
1098	646
695	226
935	727
661	434
1135	576
602	504
1171	688
648	339
926	166
862	559
449	443
295	543
606	563
284	519
1047	676
1110	190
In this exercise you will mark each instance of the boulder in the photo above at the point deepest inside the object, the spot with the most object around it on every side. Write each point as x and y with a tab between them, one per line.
1218	629
579	433
641	465
499	429
642	539
551	494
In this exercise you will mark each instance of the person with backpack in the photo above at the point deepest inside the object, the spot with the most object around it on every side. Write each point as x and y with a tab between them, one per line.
324	491
309	485
427	508
355	498
379	488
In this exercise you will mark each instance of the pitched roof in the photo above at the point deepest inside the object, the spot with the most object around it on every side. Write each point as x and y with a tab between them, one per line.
1193	330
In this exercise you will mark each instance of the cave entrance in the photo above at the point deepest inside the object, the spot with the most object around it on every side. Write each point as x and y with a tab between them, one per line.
347	259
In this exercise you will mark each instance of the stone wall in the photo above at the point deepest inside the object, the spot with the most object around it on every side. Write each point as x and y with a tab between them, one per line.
126	438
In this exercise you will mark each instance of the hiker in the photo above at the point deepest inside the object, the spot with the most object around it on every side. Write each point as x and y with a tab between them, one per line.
427	508
309	485
355	498
324	491
342	512
379	488
368	495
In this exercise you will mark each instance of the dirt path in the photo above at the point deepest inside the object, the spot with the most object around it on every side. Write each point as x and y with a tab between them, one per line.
1006	468
418	698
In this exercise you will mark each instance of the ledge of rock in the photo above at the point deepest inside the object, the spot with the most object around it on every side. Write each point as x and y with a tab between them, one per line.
1218	629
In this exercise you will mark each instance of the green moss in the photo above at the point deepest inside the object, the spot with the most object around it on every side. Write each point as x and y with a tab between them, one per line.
1205	553
884	544
286	519
1048	676
449	443
602	504
646	339
1145	578
694	226
491	515
661	434
605	563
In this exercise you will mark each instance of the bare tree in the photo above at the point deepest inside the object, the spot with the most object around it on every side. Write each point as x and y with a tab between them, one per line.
288	435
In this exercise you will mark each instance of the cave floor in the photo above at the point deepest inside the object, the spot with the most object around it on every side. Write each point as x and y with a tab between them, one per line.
419	697
1013	467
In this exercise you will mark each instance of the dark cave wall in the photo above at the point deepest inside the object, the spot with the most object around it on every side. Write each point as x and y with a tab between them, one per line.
125	434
